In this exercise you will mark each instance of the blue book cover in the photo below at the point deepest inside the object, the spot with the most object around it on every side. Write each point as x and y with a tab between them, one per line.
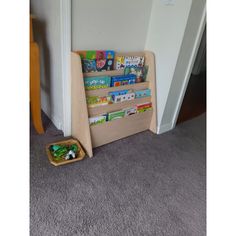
143	93
120	80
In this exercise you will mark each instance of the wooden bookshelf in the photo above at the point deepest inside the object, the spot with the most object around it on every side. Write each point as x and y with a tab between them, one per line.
97	135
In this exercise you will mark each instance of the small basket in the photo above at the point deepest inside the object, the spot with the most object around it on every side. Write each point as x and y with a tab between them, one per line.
81	153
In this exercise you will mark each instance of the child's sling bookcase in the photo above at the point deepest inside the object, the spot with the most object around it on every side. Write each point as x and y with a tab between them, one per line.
97	135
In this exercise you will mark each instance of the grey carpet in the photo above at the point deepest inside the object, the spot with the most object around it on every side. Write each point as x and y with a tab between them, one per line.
145	184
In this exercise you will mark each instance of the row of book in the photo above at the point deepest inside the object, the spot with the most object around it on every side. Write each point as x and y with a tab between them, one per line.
105	60
131	76
117	96
120	114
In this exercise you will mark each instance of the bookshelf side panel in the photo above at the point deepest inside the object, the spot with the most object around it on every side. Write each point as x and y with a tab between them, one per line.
79	111
151	77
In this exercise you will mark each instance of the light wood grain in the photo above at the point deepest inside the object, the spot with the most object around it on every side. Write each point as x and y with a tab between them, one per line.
79	115
151	77
120	128
116	106
105	91
104	73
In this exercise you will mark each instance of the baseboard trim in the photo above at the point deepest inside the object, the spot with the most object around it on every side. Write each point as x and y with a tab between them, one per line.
56	122
164	128
54	119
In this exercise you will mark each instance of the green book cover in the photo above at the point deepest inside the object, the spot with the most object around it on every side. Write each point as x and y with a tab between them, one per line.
97	82
116	115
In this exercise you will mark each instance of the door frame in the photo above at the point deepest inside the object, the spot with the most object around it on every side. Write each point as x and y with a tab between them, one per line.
189	67
65	22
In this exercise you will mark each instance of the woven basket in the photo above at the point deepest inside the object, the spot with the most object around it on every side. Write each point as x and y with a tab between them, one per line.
80	156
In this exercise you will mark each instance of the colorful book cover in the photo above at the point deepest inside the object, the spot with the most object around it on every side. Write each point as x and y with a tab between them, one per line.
109	64
140	72
97	120
88	65
143	93
94	101
100	64
130	111
123	98
134	61
144	107
116	115
120	62
110	54
120	92
120	80
91	55
100	55
97	82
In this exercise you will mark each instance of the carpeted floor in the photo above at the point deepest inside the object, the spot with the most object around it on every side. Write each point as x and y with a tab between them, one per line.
145	184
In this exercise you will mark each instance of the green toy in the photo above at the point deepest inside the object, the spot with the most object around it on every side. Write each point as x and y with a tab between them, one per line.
60	152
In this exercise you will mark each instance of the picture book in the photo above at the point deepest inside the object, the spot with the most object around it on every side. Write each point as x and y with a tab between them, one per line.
135	61
100	55
100	64
104	64
140	72
120	80
130	111
110	54
143	93
97	82
144	107
120	92
91	54
88	65
109	64
97	120
116	115
125	97
94	101
120	62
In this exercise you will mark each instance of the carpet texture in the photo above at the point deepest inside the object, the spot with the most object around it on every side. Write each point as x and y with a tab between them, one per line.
145	184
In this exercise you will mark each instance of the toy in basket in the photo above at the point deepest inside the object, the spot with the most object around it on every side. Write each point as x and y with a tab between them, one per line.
64	152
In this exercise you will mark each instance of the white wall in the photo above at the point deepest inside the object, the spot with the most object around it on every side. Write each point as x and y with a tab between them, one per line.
110	24
187	54
164	38
47	31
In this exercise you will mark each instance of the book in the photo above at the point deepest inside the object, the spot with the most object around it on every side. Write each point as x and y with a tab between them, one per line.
94	101
120	80
135	61
91	54
116	115
143	93
125	97
100	55
130	111
110	54
140	72
97	120
104	64
88	65
129	61
120	92
144	107
97	82
120	62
